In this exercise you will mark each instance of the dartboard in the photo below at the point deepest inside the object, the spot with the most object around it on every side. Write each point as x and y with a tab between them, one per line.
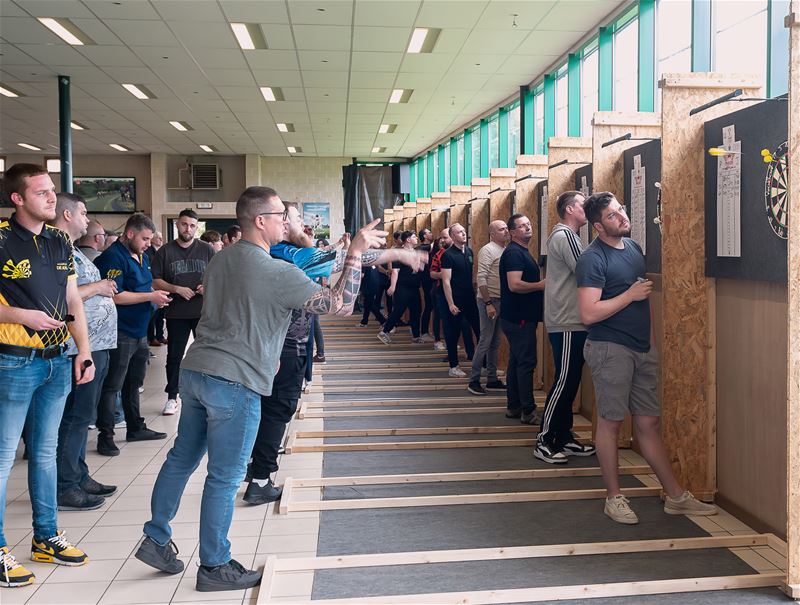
776	198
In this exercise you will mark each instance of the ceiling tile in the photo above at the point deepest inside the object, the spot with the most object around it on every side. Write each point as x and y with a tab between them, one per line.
110	56
372	79
97	31
204	35
494	41
500	15
324	60
180	10
450	13
230	77
589	12
55	54
266	77
143	33
104	9
334	12
325	79
381	39
369	12
322	37
376	61
248	11
278	37
432	63
545	42
220	58
271	59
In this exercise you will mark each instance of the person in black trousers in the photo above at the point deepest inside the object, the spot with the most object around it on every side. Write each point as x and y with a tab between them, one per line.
370	288
521	304
426	241
404	288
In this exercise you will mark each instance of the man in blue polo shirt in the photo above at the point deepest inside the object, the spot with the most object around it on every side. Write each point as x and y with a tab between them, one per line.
125	263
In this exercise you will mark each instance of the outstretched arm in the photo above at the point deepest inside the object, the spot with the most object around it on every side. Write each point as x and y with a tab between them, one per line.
415	259
339	299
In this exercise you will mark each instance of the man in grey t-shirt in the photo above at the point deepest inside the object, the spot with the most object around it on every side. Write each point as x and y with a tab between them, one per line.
566	332
249	297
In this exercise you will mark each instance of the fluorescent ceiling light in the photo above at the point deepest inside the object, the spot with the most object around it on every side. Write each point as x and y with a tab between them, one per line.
7	91
182	126
285	127
294	149
29	146
378	149
272	93
423	40
208	148
400	95
249	36
387	128
139	91
118	147
77	126
66	30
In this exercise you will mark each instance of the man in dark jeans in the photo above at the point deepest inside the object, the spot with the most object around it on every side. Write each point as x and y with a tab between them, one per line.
178	269
521	304
425	244
370	287
126	264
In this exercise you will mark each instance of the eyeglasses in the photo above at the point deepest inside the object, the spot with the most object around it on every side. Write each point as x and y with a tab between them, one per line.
284	214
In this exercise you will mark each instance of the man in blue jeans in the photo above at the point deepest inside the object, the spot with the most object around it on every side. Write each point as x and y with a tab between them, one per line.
39	309
221	386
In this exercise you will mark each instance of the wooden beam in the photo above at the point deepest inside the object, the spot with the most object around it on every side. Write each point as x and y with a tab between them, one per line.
403	412
286	496
444	401
438	430
378	388
440	444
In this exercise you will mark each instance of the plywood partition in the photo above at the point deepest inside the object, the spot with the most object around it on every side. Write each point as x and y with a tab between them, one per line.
409	216
531	169
793	324
423	214
398	220
502	178
478	231
460	196
576	151
439	220
480	187
388	225
688	355
501	200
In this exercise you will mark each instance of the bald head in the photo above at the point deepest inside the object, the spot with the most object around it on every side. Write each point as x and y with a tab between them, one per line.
498	232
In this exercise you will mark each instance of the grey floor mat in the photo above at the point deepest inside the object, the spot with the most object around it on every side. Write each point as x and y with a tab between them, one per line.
443	420
398	392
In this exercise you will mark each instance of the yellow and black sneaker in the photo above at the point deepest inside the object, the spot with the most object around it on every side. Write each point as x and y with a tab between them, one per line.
14	574
57	550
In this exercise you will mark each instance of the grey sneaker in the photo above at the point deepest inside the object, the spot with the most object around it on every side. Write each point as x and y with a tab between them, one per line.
384	337
164	558
231	576
620	511
687	504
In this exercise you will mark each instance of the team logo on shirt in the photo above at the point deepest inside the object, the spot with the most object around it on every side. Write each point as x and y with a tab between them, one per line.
62	266
113	273
22	270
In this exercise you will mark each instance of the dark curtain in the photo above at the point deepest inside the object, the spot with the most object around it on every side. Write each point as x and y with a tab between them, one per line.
367	191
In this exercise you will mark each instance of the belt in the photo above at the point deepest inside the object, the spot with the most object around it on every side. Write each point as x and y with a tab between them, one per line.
46	353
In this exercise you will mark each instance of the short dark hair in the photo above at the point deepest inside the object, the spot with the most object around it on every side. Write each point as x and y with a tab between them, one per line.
211	236
566	199
397	234
14	177
595	204
67	201
422	233
233	231
253	202
405	235
190	213
511	223
139	222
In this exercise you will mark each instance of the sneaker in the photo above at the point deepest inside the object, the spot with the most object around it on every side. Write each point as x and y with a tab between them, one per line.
256	494
476	389
426	338
393	330
106	446
13	574
549	454
163	341
687	504
164	558
360	325
619	510
154	343
457	373
318	359
120	425
144	434
574	448
496	385
384	338
57	550
231	576
170	407
439	346
77	499
418	340
152	356
513	413
529	418
95	488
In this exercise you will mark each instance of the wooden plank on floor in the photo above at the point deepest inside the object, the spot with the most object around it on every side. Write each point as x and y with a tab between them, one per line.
306	413
437	430
382	403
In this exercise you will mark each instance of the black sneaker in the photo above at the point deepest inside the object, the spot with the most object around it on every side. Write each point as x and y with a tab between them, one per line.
144	434
57	550
574	448
77	499
164	558
255	494
513	413
106	446
319	359
549	454
529	418
231	576
476	389
496	385
95	488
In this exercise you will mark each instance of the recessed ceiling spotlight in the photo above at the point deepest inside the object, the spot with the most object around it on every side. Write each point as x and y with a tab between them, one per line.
29	146
66	30
118	147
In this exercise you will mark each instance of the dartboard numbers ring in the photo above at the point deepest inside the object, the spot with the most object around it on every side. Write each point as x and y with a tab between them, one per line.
776	197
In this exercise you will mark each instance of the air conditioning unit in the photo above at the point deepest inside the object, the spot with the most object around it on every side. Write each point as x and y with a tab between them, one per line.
205	176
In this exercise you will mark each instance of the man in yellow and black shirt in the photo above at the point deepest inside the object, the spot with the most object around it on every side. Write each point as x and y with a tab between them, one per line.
40	309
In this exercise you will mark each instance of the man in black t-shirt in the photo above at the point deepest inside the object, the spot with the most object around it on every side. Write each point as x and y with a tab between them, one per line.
521	304
178	268
425	244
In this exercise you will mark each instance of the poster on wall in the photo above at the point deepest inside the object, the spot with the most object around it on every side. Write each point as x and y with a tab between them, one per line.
317	215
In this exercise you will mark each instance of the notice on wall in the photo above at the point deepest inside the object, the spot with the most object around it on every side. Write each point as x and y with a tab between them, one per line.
585	229
638	194
729	196
544	218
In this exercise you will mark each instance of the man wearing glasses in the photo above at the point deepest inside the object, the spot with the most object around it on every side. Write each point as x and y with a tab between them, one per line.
249	298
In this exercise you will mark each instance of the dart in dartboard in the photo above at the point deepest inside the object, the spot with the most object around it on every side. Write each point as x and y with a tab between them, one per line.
776	198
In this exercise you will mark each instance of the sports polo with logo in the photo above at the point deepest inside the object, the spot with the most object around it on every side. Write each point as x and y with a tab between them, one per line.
34	270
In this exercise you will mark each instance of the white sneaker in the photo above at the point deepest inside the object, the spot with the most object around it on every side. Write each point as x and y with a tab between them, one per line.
426	338
618	509
687	504
457	373
141	389
384	337
439	346
360	325
170	408
418	340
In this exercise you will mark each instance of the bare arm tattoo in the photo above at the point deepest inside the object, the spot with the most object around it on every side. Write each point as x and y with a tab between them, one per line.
340	299
339	261
368	258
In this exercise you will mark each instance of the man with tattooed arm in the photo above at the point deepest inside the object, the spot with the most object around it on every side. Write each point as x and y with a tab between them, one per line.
249	297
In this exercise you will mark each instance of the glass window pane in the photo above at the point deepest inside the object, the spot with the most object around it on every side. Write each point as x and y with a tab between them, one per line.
494	147
513	136
626	67
538	125
589	91
446	166
435	184
460	149
674	32
740	37
562	98
476	153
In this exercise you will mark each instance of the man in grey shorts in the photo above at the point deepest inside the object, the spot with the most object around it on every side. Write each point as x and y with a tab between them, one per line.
613	300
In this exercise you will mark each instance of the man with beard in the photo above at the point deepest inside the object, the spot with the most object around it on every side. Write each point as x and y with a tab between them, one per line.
126	264
613	300
178	269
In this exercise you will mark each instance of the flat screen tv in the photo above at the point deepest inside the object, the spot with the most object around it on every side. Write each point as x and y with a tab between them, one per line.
106	194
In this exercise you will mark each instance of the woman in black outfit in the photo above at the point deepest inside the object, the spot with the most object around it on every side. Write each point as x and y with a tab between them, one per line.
405	290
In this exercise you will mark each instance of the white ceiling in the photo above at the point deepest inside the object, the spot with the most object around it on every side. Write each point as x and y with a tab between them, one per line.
336	67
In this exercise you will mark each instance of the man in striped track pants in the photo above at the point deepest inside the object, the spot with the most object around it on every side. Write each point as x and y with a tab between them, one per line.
566	332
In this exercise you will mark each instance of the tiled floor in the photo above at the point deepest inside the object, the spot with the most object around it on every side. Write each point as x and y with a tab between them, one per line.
110	535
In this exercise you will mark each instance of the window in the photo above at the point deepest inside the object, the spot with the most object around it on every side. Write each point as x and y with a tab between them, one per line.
460	164
562	100
494	142
739	37
538	122
626	67
674	33
447	175
513	135
589	91
423	166
435	185
2	164
53	165
476	152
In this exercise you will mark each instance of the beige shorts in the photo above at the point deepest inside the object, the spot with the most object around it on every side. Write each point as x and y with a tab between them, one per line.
624	380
